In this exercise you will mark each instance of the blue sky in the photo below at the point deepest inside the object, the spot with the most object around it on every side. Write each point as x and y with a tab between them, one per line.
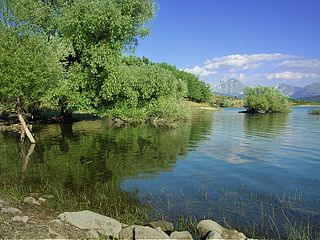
256	41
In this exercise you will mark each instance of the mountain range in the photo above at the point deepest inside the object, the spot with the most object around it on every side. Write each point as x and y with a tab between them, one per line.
235	88
230	87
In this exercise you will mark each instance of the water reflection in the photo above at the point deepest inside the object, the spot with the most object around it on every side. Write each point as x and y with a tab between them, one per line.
84	163
265	125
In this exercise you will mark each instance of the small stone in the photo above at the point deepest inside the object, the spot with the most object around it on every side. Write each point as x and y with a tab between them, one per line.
93	234
48	196
31	200
42	199
2	203
56	221
53	232
185	235
11	210
23	219
164	225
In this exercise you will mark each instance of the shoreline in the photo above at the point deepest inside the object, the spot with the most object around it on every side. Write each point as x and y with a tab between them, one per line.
31	219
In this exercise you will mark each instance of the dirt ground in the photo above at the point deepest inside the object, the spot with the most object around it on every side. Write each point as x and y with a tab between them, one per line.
42	223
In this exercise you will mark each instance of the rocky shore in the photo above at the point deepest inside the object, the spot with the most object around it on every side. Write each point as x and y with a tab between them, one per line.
30	220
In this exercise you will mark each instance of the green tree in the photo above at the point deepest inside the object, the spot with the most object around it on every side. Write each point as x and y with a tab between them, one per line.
265	100
95	34
135	90
98	31
29	66
198	91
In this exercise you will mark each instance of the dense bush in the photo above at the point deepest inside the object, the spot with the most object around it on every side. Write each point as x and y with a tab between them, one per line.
29	66
198	91
265	100
135	92
315	111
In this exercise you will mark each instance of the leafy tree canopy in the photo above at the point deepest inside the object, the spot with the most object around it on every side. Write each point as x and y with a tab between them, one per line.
265	100
29	66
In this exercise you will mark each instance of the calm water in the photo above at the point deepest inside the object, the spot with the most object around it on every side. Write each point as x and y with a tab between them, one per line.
256	173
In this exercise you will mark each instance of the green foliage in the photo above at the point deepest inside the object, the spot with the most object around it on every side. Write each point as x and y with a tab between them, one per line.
265	100
198	91
224	101
139	92
96	77
315	111
138	85
167	111
29	66
98	32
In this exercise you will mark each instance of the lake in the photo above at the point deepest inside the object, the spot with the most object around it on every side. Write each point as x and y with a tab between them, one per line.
257	173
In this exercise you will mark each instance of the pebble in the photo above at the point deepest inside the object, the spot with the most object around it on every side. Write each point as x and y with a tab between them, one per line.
23	219
11	210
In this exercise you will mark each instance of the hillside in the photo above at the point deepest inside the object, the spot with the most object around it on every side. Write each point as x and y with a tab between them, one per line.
309	93
287	89
230	87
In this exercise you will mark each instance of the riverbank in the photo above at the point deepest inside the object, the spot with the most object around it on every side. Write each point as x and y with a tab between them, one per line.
9	121
31	219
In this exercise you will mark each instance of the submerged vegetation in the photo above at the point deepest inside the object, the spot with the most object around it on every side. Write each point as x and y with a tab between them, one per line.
52	58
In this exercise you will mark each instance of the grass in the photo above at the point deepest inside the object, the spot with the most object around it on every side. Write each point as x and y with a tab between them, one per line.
126	207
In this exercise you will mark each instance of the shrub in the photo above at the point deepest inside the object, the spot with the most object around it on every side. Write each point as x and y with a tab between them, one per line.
265	100
315	111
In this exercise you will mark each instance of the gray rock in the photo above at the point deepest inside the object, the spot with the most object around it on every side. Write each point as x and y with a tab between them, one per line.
233	234
181	235
149	233
92	221
2	203
127	232
42	199
57	222
93	234
31	200
48	196
11	210
23	219
206	226
212	230
213	235
53	232
164	225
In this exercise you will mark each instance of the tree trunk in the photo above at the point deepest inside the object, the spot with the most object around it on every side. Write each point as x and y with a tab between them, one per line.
65	113
24	127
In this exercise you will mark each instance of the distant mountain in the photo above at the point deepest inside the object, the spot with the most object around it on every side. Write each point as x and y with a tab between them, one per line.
288	90
230	87
309	93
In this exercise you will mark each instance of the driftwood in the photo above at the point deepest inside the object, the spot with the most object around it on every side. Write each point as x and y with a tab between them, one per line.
24	127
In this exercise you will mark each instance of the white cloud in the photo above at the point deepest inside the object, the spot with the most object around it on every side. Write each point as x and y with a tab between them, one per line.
261	68
292	75
244	62
301	63
201	72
